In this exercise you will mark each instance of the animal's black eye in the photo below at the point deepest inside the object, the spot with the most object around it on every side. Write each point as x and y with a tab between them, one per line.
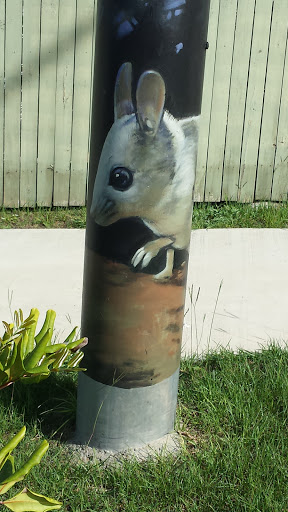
121	178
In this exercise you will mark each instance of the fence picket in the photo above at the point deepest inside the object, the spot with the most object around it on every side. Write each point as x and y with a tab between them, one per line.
220	99
30	91
47	98
238	88
276	59
254	101
2	76
199	191
13	48
64	101
85	23
280	177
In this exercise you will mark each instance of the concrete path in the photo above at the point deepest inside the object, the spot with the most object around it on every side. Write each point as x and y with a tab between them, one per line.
237	286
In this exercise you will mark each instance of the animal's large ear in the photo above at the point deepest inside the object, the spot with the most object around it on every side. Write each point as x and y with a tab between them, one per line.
123	92
150	99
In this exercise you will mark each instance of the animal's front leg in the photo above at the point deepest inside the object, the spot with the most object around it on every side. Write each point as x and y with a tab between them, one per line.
146	253
168	270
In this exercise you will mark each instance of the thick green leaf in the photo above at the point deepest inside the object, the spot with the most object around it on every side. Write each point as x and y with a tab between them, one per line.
17	369
32	359
29	319
13	355
7	449
14	364
19	362
42	369
48	324
75	360
54	348
21	315
24	470
31	331
24	344
28	501
76	345
71	336
4	356
27	323
8	328
60	358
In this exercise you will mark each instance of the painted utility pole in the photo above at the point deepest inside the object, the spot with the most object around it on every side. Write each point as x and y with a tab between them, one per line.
149	66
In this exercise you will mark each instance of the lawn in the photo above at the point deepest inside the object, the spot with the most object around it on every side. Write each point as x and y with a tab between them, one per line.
232	415
206	215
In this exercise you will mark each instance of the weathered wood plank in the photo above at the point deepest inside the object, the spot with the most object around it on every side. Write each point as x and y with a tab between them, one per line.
47	98
254	101
272	98
30	92
13	46
280	177
85	39
219	107
94	29
208	84
238	88
64	101
2	75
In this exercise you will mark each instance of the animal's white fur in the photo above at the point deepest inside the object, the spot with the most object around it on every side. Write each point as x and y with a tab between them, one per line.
163	168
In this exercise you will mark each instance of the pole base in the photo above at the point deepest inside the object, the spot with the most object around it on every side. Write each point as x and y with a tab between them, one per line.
117	419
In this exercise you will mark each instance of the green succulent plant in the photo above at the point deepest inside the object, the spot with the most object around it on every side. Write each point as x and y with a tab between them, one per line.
32	358
26	500
24	356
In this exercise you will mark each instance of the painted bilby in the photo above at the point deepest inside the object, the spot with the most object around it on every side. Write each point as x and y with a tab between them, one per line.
147	168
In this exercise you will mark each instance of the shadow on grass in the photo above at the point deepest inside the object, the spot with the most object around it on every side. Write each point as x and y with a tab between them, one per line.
50	403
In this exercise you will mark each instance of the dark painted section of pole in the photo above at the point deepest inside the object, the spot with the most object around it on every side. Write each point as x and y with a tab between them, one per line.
149	66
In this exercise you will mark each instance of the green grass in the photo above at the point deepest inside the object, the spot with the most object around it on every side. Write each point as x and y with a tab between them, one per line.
233	412
206	215
239	215
50	218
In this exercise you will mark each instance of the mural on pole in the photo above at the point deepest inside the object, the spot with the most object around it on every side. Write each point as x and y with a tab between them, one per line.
147	169
148	86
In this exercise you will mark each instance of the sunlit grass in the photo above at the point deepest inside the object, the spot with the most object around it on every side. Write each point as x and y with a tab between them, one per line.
239	215
50	218
205	215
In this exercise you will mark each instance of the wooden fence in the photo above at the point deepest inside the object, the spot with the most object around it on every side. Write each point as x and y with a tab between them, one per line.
46	55
243	153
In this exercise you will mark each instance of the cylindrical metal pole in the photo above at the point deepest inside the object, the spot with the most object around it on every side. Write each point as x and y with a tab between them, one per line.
146	105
